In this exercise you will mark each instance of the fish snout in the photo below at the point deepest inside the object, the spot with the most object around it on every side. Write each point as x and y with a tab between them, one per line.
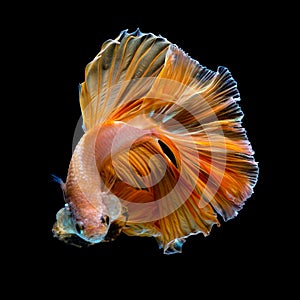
97	233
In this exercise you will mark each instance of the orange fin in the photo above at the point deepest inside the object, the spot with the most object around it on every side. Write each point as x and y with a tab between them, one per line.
189	218
111	79
201	120
159	201
197	115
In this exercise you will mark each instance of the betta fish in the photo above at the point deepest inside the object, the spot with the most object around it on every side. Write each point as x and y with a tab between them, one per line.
163	154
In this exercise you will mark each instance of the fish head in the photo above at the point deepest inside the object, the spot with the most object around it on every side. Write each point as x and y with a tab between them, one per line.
79	231
88	220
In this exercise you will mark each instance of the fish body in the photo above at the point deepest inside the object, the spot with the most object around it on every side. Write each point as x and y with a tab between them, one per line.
141	96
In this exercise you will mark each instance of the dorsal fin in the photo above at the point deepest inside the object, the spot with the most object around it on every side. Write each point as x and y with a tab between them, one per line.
112	77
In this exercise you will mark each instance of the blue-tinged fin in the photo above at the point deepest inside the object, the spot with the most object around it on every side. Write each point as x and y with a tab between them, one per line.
57	179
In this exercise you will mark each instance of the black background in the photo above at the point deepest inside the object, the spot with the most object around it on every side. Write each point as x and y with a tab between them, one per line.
58	44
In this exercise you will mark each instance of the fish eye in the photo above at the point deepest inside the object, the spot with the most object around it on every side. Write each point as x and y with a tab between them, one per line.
104	220
79	227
